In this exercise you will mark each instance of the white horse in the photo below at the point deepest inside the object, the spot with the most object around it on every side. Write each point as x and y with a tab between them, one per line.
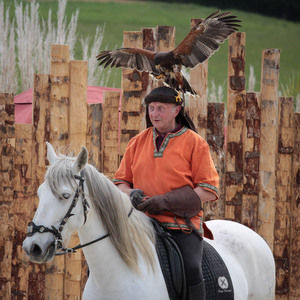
118	242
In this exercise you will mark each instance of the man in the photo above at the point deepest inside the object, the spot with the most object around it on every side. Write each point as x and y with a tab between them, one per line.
168	172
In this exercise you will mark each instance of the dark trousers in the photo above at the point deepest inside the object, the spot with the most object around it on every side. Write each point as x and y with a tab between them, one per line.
191	247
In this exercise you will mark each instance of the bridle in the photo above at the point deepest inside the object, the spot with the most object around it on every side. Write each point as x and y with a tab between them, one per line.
33	228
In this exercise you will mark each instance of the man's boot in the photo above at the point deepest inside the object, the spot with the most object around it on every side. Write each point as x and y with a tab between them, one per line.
196	292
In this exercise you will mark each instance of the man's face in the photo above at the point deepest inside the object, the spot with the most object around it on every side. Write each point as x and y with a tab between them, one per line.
162	116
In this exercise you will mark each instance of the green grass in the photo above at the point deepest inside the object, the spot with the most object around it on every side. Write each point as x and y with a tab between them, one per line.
261	32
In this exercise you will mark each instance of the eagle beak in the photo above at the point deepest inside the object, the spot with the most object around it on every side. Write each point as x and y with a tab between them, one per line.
157	66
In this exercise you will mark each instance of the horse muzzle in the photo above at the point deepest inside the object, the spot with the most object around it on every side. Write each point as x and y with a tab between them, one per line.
38	251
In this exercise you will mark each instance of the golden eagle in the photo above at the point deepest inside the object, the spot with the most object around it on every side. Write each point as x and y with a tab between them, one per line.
203	40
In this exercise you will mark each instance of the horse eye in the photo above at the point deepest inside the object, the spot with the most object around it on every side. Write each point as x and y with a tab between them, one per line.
66	195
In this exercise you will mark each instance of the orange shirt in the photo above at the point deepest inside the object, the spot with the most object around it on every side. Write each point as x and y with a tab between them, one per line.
183	159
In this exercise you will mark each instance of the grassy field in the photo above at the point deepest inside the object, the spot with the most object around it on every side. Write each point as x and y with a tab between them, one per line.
261	32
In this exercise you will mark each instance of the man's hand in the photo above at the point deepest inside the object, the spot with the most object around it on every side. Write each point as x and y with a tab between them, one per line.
154	205
136	197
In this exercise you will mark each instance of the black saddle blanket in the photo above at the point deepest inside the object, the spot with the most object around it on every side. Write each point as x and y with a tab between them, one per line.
218	282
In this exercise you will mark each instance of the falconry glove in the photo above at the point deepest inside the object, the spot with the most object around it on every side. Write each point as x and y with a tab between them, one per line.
183	202
136	197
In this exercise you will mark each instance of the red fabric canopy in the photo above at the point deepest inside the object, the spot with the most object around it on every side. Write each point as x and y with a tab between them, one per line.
23	102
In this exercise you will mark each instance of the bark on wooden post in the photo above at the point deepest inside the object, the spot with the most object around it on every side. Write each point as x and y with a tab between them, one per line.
235	126
283	195
131	98
59	77
268	144
198	104
294	291
22	209
110	133
215	138
7	146
77	138
251	162
93	142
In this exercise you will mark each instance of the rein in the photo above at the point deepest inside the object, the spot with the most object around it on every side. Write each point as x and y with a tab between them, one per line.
33	228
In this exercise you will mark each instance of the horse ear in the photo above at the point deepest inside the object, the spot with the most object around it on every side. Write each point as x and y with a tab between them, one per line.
81	159
51	155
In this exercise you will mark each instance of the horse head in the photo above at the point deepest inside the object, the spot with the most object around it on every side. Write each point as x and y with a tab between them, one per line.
58	214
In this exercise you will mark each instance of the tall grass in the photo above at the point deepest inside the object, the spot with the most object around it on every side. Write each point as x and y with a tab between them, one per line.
31	52
8	80
292	89
95	74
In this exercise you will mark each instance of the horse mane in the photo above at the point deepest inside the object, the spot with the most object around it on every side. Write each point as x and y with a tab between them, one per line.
113	207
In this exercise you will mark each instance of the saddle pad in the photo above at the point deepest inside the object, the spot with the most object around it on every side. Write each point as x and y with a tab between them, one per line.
218	282
171	263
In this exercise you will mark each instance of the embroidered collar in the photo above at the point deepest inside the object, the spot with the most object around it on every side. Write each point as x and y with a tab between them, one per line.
161	136
166	140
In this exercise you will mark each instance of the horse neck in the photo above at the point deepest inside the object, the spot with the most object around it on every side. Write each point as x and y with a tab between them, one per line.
97	252
103	259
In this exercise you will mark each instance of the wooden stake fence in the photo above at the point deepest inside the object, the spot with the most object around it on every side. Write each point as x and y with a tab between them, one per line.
259	167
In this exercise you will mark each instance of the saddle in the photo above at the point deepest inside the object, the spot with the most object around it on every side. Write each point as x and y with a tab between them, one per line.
218	282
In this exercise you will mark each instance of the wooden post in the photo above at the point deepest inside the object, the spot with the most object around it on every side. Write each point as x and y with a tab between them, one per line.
235	126
41	129
251	162
59	134
131	98
93	139
198	104
148	83
77	137
78	104
283	195
268	144
59	77
294	288
7	146
165	40
40	134
22	208
215	138
110	132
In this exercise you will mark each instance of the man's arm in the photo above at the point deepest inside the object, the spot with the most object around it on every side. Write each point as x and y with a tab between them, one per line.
205	195
125	188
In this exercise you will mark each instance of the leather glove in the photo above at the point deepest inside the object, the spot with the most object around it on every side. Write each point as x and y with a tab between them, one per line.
183	202
136	197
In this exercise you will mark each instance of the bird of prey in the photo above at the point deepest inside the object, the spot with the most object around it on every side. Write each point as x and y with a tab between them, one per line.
203	40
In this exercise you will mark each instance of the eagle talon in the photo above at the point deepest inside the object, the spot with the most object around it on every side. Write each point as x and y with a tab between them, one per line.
160	76
178	98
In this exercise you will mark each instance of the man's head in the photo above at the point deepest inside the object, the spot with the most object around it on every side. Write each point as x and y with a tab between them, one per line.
162	115
164	110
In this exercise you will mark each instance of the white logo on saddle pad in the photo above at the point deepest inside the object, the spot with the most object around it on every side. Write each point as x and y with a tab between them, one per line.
223	282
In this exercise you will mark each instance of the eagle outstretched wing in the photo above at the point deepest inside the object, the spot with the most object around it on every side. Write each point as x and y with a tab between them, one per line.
133	58
205	38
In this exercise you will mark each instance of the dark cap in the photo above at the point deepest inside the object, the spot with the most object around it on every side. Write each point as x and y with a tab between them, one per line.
167	95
